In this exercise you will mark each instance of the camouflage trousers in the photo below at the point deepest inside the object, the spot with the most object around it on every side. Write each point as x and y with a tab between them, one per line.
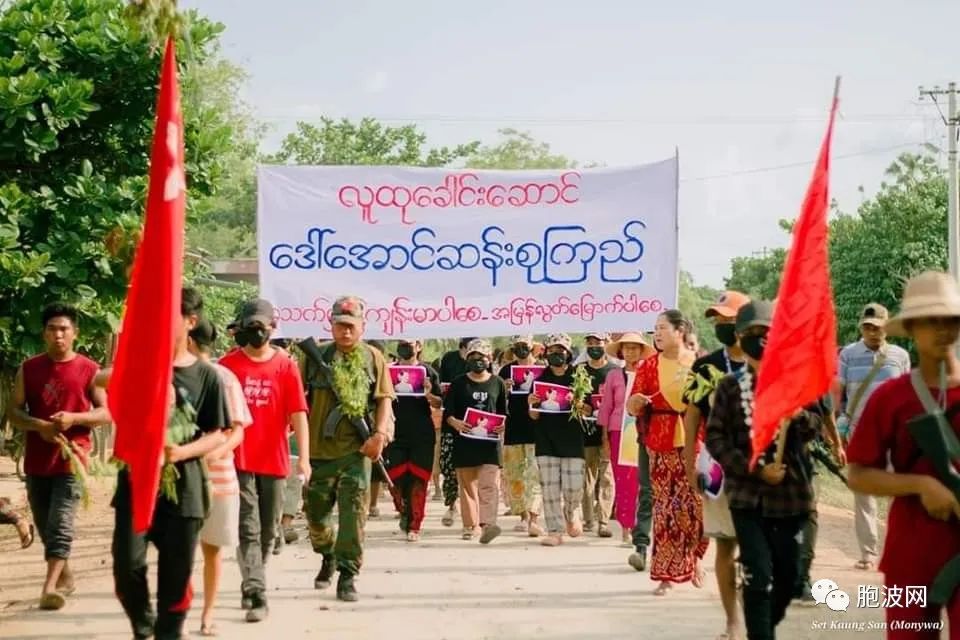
343	482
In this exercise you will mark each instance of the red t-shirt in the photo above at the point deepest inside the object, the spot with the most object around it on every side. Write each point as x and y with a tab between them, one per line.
917	545
52	387
274	392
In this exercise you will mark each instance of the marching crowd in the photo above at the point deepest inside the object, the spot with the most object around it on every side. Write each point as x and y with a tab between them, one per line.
651	425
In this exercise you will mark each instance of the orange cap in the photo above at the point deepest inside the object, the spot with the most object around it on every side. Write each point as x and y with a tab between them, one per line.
728	304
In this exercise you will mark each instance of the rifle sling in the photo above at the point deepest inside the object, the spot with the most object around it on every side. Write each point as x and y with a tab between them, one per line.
857	398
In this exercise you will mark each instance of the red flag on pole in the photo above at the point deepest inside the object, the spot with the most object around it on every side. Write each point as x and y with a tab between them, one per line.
143	370
800	357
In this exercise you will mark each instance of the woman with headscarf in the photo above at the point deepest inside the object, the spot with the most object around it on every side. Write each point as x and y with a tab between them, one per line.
657	398
632	349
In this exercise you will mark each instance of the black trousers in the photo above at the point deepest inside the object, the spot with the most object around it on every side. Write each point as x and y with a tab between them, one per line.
175	538
769	555
807	553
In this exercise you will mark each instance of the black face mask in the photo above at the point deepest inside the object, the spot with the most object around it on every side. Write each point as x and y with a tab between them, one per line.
726	334
405	352
477	365
556	359
753	346
241	338
521	352
595	353
256	338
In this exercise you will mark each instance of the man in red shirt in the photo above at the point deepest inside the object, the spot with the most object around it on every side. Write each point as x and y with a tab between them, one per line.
56	403
274	392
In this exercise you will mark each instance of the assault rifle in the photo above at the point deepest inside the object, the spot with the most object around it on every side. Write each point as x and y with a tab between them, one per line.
325	375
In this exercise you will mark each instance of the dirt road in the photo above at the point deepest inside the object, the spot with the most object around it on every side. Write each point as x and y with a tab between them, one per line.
440	588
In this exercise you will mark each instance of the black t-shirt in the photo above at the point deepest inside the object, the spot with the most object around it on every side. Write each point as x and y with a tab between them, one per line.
452	366
414	421
718	360
519	424
556	434
199	384
489	396
593	436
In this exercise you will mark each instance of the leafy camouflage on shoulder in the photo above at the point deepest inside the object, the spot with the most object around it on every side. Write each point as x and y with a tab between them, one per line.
701	384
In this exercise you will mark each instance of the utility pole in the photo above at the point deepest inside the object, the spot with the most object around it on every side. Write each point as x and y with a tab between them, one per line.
952	119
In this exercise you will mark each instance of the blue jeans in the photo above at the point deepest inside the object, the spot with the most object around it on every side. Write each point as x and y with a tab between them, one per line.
53	501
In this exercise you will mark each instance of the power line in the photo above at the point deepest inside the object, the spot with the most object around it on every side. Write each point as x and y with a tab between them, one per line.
712	120
805	163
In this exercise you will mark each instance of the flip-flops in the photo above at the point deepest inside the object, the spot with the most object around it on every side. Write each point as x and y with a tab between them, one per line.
52	601
26	536
208	631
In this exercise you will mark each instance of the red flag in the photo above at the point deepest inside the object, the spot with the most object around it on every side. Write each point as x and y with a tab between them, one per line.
800	357
143	370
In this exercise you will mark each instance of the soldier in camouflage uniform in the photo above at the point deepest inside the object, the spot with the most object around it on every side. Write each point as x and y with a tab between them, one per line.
339	458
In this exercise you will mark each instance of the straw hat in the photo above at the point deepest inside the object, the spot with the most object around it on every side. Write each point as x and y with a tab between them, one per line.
631	337
932	294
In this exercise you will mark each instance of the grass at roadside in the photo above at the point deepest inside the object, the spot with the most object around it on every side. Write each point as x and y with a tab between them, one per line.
831	491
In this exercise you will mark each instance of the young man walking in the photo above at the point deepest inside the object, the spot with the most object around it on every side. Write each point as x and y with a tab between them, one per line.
175	527
350	386
56	403
274	392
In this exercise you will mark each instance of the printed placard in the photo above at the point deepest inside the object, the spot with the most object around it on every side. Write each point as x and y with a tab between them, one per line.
629	454
711	475
408	380
554	398
523	376
483	425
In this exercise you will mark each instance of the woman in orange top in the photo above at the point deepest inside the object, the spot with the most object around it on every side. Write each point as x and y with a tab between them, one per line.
678	542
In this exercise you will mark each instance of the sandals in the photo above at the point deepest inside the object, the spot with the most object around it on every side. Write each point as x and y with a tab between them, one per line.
27	533
699	575
864	565
209	630
52	601
663	589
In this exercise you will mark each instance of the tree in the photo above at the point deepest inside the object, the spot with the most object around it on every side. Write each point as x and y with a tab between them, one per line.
366	142
77	91
518	150
693	302
899	232
757	276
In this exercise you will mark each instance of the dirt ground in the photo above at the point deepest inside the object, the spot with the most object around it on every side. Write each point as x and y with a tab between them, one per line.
441	588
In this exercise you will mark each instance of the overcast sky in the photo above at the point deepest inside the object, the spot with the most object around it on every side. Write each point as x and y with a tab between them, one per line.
740	87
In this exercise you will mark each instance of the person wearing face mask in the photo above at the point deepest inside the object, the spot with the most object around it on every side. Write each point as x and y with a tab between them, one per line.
453	364
559	449
477	461
770	503
275	396
598	474
521	475
409	458
657	400
701	384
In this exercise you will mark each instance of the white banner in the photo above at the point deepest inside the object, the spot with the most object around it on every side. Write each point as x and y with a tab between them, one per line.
439	253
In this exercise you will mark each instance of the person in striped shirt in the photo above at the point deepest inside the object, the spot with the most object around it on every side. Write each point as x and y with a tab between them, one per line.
222	525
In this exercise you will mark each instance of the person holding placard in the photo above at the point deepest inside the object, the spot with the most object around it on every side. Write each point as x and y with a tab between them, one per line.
630	348
768	504
559	448
598	476
521	474
477	460
701	385
678	543
452	365
409	458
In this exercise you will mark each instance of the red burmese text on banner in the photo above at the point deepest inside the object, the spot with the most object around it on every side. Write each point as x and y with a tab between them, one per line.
800	358
139	387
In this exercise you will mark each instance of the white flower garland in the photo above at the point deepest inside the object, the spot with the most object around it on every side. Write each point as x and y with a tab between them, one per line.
746	398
